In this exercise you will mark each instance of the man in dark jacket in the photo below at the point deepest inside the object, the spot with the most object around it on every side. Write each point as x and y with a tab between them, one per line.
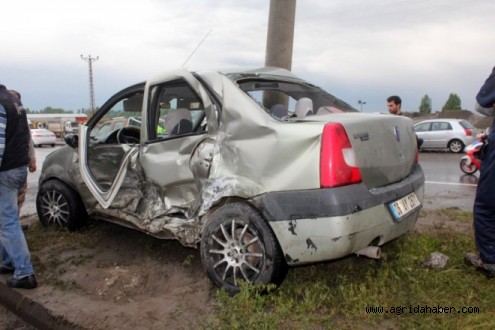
484	202
14	159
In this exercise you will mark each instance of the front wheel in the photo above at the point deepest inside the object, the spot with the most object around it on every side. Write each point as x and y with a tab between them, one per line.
467	168
456	146
58	204
237	244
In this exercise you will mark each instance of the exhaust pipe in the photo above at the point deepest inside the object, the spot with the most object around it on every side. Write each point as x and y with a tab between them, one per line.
374	252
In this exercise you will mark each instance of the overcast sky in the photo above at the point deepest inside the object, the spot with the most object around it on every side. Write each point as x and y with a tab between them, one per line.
355	49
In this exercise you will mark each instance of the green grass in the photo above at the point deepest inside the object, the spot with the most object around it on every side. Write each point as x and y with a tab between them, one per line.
336	294
452	214
329	295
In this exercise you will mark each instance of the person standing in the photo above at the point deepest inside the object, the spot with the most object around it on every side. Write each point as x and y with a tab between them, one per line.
484	201
394	104
14	159
32	157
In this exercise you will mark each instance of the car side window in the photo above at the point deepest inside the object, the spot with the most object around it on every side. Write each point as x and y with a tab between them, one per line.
177	111
103	130
118	116
442	126
425	127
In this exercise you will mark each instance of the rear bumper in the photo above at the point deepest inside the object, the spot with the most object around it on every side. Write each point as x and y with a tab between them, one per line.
325	224
332	202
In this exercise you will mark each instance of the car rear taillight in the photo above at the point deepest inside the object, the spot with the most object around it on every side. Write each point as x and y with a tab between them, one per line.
468	132
337	158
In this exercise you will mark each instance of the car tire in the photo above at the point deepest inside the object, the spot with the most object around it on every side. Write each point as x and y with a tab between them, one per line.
52	145
456	146
238	244
58	204
468	169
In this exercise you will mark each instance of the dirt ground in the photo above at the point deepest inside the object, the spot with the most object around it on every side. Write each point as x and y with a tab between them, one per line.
124	279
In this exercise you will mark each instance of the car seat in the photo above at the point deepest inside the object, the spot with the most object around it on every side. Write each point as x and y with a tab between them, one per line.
178	121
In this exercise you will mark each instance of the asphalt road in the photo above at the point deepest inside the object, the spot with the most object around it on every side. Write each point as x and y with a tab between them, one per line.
446	184
30	203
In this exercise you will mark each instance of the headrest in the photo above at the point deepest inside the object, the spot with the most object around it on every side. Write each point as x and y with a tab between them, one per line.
304	107
279	110
177	118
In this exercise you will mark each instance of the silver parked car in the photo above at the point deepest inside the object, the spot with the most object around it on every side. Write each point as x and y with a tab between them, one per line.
452	134
260	169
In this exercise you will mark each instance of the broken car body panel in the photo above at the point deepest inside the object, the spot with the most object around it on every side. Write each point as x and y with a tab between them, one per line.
167	184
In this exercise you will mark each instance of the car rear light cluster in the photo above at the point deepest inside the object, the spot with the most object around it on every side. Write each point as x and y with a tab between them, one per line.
337	158
468	132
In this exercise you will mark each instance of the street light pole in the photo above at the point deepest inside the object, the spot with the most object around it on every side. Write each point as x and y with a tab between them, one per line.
361	103
90	61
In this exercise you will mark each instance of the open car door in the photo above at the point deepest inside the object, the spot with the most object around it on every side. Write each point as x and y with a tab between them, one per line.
109	141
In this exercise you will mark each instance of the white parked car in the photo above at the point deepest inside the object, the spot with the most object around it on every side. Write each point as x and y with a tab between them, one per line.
42	136
452	134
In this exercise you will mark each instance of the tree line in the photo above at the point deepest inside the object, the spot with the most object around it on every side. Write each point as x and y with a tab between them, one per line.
58	110
452	103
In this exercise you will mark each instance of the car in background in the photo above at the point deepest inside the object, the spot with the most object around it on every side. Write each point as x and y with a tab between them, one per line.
43	136
255	190
452	134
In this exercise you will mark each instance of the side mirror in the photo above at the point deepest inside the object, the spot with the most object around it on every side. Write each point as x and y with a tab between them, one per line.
72	140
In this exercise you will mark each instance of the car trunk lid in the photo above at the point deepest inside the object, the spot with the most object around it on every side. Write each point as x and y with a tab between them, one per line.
383	146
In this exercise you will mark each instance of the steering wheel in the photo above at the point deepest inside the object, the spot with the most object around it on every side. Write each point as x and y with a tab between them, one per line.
128	135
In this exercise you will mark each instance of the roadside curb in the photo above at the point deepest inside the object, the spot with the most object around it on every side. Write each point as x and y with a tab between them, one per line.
32	312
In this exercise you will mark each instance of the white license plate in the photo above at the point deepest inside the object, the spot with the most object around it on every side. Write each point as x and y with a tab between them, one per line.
402	207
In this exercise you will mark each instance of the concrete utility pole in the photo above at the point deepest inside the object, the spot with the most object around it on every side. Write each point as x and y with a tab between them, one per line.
279	42
90	61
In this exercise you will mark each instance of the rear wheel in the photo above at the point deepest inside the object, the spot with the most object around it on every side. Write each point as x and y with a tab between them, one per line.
58	204
456	146
237	244
468	169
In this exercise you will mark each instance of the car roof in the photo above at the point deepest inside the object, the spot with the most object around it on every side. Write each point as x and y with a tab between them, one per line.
439	120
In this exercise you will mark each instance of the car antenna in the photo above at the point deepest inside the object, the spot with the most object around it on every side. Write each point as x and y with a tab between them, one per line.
195	49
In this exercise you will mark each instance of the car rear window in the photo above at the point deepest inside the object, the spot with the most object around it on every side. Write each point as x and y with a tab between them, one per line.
256	88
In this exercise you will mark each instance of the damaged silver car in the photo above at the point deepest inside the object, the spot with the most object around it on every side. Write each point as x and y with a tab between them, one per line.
260	169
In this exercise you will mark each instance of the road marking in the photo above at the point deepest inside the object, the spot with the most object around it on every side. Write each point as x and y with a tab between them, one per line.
452	183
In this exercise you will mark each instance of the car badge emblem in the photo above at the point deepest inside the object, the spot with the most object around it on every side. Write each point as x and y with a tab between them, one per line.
397	133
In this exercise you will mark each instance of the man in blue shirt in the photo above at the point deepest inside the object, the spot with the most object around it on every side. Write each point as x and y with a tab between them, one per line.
484	202
14	159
